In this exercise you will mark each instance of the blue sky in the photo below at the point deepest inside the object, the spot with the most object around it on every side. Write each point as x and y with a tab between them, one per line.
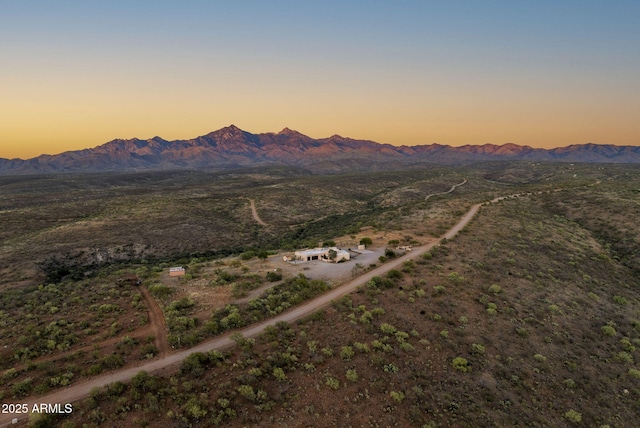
545	73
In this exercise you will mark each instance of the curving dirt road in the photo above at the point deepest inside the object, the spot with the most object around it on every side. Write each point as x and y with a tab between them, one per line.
454	187
81	390
254	212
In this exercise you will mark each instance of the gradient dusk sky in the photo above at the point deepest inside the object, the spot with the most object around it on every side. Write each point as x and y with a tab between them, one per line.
546	73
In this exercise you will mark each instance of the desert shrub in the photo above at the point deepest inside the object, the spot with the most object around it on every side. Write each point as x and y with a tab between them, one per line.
273	276
181	305
247	392
609	330
624	357
407	347
21	389
439	289
278	373
620	300
328	352
94	369
387	328
494	288
161	291
112	361
397	395
390	368
226	277
332	382
492	308
394	274
352	375
477	349
461	364
573	416
149	351
346	353
626	345
456	278
362	347
540	358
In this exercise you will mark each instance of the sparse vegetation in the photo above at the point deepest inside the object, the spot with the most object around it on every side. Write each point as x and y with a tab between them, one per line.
536	314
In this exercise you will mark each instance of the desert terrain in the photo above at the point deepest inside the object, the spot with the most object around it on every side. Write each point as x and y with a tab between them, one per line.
524	314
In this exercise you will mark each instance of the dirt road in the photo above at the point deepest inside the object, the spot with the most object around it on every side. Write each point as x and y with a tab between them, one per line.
254	212
81	390
454	187
157	323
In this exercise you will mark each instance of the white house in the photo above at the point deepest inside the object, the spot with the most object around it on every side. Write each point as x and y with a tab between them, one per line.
324	254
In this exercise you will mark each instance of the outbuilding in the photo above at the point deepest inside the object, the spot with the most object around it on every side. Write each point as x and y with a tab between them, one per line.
177	271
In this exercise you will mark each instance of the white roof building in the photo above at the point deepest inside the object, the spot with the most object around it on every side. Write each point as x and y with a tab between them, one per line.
324	254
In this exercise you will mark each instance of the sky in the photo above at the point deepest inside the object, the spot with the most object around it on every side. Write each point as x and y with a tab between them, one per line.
545	73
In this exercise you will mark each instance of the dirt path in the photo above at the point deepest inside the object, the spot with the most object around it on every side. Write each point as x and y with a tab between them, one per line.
254	212
454	187
157	323
81	390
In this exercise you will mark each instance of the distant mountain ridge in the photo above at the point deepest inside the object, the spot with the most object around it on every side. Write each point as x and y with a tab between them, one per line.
231	147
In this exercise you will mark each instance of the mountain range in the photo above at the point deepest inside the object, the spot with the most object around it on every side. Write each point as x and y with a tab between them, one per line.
231	147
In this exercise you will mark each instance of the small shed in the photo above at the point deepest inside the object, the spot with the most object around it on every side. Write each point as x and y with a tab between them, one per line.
177	271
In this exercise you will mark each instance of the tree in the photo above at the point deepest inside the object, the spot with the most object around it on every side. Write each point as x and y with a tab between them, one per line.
332	255
366	241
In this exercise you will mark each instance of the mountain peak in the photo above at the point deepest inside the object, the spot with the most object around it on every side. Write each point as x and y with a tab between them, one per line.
231	128
287	131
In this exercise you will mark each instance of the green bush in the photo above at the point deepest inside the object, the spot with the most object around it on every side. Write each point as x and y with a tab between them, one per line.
273	276
477	349
609	330
352	375
634	373
494	288
278	373
461	364
573	416
540	358
332	382
346	353
397	395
